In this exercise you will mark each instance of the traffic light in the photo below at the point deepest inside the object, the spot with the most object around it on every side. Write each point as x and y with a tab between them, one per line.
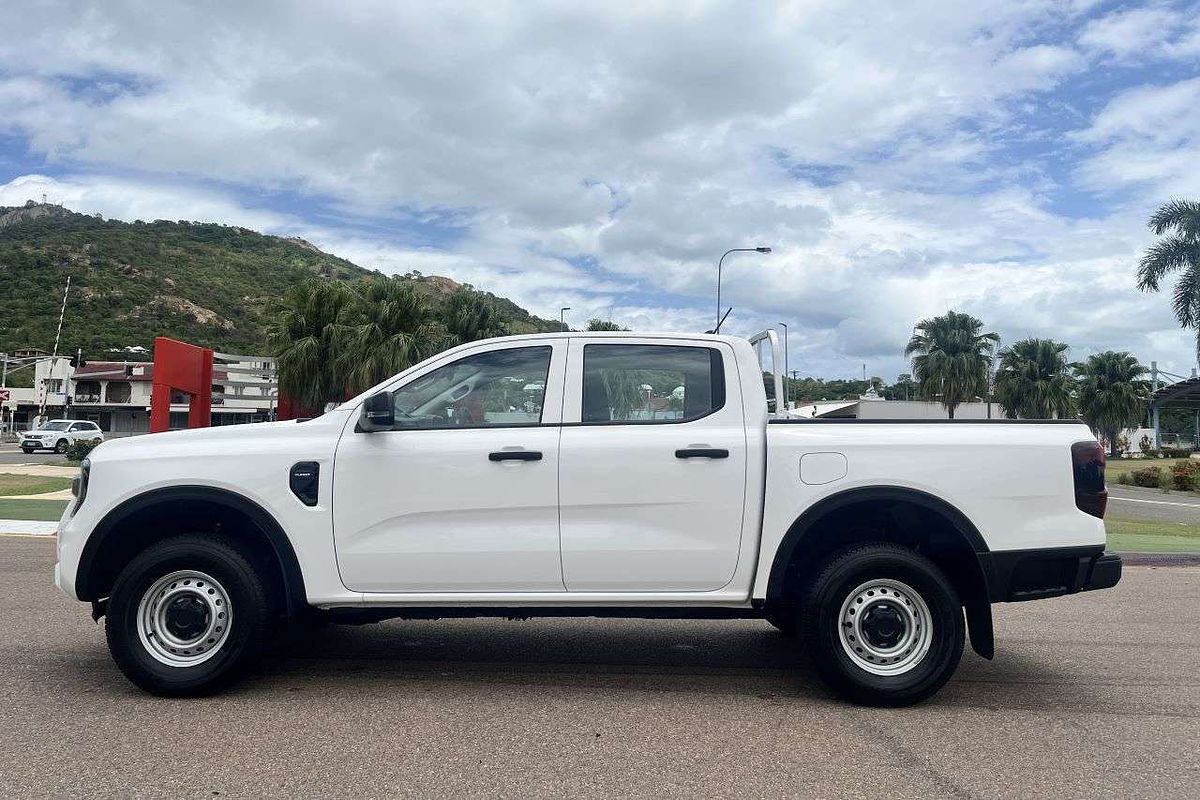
78	361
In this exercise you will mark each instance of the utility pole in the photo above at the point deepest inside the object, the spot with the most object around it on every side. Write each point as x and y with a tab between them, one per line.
1153	405
57	336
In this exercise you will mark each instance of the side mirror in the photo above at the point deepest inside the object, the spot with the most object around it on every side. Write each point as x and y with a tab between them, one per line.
378	413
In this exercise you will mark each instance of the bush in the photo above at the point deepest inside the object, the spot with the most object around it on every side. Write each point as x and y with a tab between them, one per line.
78	450
1147	477
1165	480
1176	452
1123	478
1185	475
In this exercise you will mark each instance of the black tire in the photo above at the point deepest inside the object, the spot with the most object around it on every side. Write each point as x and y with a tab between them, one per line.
249	621
784	620
61	446
836	583
27	451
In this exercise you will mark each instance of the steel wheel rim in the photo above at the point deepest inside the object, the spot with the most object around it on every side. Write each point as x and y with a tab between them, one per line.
184	618
896	601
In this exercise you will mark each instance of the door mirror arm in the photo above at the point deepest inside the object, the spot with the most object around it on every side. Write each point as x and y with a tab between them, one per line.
377	414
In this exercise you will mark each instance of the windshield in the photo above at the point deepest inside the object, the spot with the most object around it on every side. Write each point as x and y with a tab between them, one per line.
55	426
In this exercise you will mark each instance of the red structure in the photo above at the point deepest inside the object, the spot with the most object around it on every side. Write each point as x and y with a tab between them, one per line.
181	367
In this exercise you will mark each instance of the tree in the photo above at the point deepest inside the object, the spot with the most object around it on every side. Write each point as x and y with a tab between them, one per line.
1034	380
470	316
388	328
1178	222
603	325
1112	393
951	358
304	337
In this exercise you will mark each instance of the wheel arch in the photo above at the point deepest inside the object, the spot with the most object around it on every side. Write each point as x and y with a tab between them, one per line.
912	517
107	549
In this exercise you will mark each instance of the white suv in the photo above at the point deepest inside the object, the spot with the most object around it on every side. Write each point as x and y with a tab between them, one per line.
58	434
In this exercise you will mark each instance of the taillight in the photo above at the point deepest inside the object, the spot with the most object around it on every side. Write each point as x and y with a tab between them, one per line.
1087	462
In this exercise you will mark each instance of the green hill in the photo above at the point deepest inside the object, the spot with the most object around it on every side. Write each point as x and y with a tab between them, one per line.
200	282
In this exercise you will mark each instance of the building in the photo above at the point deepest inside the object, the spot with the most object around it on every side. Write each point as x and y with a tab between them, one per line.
872	406
116	396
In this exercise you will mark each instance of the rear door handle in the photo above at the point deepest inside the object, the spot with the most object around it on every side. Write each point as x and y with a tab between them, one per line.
702	452
515	455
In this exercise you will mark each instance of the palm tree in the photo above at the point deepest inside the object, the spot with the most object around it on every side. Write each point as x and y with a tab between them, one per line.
1178	251
951	358
1034	381
1112	393
303	336
388	328
470	315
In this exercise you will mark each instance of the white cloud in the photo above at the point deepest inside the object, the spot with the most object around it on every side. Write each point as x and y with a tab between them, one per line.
603	156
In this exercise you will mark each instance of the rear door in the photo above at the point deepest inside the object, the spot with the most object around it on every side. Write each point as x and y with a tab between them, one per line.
652	474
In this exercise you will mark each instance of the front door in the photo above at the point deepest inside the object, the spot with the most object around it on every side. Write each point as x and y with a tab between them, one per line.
462	495
653	467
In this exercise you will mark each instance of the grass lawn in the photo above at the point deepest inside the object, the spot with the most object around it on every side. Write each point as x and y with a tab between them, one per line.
44	510
1142	536
30	484
1117	467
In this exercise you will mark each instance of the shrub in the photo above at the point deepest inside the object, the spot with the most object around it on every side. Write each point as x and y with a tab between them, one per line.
1147	477
1165	480
1176	452
1146	445
1185	475
78	450
1123	478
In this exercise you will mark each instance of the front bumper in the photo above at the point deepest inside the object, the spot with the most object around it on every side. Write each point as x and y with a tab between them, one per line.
1016	575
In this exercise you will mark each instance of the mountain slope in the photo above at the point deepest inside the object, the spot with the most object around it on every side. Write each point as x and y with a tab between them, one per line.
204	283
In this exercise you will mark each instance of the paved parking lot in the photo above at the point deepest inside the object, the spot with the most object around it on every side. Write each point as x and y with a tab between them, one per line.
1090	695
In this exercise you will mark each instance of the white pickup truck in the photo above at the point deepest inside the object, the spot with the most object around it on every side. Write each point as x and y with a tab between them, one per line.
585	474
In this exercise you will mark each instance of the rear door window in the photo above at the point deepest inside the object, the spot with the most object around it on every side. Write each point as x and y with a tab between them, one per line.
650	383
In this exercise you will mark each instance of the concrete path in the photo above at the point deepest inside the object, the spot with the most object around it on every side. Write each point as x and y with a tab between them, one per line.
26	527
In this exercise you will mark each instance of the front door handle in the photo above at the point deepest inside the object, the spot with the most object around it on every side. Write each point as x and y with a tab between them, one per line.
515	455
702	452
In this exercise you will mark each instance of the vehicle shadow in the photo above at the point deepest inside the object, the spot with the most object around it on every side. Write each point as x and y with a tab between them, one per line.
727	657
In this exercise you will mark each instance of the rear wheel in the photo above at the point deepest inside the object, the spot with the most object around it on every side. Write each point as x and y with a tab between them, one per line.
186	616
61	447
884	624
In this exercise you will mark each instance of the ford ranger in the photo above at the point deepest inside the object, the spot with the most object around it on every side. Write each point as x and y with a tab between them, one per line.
586	474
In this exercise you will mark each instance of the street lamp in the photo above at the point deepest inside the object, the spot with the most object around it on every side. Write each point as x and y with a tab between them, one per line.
562	316
760	249
785	362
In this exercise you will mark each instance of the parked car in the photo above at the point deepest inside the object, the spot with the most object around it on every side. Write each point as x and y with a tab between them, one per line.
586	474
58	434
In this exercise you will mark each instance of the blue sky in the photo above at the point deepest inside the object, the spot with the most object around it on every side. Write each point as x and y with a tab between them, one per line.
999	158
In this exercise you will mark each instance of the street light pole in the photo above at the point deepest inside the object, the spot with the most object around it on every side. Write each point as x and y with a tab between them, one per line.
721	261
562	316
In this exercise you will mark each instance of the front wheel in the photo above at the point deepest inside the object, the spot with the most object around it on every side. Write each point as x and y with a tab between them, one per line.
884	624
27	451
186	616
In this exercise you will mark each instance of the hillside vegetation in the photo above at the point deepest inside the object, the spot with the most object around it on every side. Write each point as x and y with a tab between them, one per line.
214	285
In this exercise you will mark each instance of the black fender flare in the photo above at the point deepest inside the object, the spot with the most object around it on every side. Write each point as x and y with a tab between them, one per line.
285	554
978	607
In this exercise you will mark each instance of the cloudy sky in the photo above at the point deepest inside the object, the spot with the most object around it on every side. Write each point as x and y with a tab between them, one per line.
902	159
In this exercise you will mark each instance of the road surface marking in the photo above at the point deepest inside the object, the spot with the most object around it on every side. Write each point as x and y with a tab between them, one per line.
1155	502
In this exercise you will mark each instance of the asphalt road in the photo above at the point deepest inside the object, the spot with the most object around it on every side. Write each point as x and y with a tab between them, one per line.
11	454
1135	502
1091	695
